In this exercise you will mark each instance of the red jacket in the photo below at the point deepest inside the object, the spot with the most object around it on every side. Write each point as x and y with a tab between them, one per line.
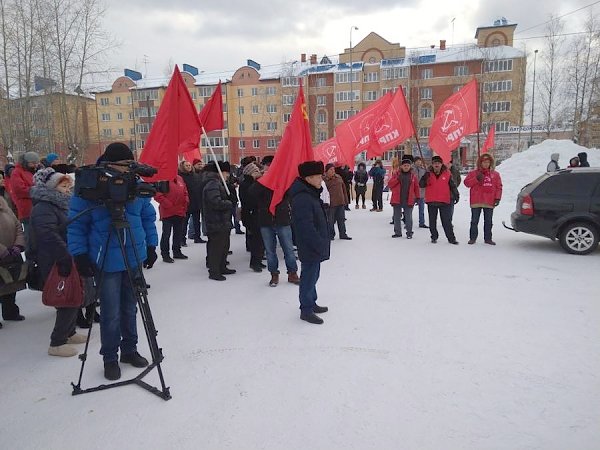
437	189
484	193
21	180
175	202
395	185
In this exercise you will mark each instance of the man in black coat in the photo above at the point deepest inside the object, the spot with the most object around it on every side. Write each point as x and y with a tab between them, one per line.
194	187
216	215
249	202
312	235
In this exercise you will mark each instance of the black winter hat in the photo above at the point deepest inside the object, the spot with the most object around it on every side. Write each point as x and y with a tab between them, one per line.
267	160
308	168
223	165
437	159
117	151
406	160
329	166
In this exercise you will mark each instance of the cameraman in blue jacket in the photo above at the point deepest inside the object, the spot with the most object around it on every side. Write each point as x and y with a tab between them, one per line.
87	238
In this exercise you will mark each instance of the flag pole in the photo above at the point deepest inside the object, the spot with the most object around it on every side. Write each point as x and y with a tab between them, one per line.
418	145
216	162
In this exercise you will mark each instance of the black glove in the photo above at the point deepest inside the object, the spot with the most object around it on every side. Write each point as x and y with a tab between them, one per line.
64	266
479	177
151	257
426	175
496	202
456	199
85	267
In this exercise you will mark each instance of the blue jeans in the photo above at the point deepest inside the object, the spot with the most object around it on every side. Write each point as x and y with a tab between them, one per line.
421	203
269	235
308	285
118	308
487	223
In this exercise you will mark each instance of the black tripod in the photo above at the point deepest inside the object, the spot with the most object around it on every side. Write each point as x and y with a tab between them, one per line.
122	229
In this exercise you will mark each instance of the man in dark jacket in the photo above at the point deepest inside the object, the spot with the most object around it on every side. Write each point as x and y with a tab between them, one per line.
216	215
360	183
193	182
254	241
377	173
338	201
312	235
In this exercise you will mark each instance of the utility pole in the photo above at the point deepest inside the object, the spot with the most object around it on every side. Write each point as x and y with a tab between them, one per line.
351	72
532	99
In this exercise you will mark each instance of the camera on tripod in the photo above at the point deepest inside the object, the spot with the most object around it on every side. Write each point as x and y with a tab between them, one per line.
116	182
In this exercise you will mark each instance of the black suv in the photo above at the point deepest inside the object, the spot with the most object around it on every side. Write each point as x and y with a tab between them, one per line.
563	205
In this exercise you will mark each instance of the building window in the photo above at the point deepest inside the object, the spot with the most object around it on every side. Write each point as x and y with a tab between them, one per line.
255	109
322	117
140	144
344	77
426	93
240	92
424	132
121	132
143	95
345	96
119	116
426	112
290	81
129	100
321	82
370	96
271	126
498	86
490	107
255	126
254	91
117	100
343	115
394	73
130	115
288	100
105	117
206	91
142	128
271	109
271	90
455	89
106	132
242	144
271	143
371	77
255	143
460	71
321	136
193	95
241	110
499	65
104	101
502	126
132	131
241	128
426	74
287	117
321	100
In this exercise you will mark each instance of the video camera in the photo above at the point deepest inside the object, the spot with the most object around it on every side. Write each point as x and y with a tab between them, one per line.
104	183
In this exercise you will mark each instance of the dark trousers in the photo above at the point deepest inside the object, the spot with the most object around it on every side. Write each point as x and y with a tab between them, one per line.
175	224
377	196
401	212
308	285
487	223
358	195
195	225
10	310
234	215
446	216
255	245
336	214
348	192
216	251
64	326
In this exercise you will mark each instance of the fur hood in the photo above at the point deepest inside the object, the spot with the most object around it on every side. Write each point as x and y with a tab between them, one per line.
486	155
42	193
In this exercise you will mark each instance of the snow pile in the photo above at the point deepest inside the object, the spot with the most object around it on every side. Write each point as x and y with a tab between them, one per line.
522	168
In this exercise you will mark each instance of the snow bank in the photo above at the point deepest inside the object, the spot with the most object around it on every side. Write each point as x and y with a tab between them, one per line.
524	167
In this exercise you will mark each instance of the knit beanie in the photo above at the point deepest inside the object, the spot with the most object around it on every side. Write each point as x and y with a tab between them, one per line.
51	158
117	151
49	177
251	169
30	157
267	160
329	166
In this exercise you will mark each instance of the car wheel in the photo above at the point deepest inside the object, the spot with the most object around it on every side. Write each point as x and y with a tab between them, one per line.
579	238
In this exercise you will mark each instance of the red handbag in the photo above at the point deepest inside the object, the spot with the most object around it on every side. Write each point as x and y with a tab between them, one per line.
63	292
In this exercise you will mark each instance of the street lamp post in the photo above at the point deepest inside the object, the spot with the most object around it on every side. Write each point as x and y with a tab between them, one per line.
351	73
532	99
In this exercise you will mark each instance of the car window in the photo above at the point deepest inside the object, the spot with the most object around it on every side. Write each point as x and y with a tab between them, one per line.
572	184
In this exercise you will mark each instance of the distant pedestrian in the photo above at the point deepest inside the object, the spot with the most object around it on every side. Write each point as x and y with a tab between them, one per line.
173	208
553	164
574	162
420	170
377	173
361	177
337	202
485	185
583	159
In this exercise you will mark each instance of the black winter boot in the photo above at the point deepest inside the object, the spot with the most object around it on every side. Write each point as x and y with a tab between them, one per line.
311	317
112	371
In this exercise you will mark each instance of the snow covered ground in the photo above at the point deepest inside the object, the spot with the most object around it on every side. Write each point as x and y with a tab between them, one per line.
424	347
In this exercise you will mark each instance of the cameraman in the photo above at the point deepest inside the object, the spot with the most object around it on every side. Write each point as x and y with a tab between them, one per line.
87	237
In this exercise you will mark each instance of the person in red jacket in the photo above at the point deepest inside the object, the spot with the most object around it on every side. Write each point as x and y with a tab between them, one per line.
173	209
440	193
486	192
405	194
21	181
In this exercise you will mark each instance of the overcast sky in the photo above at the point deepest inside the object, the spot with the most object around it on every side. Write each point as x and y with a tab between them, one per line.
221	35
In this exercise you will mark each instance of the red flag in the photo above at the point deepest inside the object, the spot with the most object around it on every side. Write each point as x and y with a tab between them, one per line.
329	152
295	148
489	140
192	155
354	133
211	115
393	127
456	118
175	131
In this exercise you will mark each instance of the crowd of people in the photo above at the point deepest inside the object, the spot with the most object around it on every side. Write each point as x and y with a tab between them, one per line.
581	160
211	200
